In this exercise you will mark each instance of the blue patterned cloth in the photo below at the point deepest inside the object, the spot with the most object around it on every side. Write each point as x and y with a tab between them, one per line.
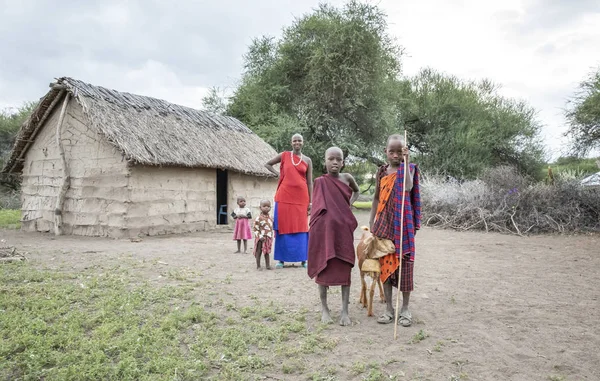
412	213
289	247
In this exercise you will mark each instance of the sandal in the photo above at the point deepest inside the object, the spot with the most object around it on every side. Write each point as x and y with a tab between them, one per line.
279	265
385	318
304	265
405	319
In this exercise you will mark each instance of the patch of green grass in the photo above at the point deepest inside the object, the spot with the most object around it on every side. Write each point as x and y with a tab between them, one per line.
86	326
363	205
10	219
371	371
419	336
293	367
376	375
358	367
179	275
321	377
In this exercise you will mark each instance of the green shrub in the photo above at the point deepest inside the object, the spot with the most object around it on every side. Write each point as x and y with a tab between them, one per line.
10	218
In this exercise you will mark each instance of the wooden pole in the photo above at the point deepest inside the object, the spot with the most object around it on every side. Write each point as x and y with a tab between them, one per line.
397	311
37	129
60	198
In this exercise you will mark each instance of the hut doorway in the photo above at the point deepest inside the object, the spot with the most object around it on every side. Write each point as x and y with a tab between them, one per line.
222	218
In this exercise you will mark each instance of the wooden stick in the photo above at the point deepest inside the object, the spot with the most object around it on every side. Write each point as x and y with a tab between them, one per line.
11	259
60	198
37	129
397	311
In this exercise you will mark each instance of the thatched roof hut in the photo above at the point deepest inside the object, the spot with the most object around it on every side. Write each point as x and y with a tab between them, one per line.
81	136
152	131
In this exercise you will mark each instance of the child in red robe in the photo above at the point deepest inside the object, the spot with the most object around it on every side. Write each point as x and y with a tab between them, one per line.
331	253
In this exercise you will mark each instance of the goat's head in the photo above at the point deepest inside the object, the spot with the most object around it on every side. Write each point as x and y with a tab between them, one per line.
375	247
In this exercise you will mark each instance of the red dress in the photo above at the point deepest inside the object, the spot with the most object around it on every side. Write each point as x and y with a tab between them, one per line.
292	195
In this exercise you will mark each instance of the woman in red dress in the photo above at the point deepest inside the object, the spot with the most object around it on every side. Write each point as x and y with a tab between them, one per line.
292	203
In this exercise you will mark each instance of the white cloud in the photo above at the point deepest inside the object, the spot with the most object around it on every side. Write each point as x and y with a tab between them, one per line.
155	78
502	41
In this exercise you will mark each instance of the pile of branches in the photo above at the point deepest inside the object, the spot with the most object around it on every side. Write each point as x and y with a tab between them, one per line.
507	202
10	254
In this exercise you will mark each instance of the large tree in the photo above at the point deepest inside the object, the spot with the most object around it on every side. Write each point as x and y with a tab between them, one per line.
331	77
461	128
583	115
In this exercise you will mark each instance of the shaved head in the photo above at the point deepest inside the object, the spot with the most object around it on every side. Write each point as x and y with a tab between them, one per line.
331	150
297	136
394	138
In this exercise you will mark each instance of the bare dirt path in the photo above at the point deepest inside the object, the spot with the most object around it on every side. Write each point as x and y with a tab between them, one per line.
492	307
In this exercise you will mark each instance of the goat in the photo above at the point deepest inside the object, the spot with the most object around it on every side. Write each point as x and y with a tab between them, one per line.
368	252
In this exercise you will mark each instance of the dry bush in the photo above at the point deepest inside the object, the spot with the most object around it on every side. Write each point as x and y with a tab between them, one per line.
504	201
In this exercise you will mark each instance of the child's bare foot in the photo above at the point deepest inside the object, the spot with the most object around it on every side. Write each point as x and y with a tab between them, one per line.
269	268
236	252
345	320
326	317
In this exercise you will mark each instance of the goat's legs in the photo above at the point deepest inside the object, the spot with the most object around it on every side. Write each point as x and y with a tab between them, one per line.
325	315
344	318
363	290
381	296
371	294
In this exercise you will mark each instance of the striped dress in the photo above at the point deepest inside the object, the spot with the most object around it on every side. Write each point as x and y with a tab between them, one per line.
387	223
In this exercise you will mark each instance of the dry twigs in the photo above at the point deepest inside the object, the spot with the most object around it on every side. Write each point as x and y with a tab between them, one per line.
506	202
10	254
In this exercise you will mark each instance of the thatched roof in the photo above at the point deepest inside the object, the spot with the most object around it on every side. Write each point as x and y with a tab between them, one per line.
151	131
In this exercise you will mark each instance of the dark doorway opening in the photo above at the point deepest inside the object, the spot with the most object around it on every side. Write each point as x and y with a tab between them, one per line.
222	218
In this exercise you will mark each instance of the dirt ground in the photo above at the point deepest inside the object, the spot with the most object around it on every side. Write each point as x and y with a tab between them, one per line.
493	307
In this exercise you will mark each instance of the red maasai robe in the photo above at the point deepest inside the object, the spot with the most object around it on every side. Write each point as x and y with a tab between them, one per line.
331	238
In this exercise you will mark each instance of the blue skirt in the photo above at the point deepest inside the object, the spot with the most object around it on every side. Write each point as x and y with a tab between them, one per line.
289	247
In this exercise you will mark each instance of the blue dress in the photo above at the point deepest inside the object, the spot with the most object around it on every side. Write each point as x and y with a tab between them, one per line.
289	247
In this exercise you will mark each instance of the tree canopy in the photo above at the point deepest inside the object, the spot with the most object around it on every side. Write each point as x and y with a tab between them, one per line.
335	77
331	77
214	101
462	128
583	115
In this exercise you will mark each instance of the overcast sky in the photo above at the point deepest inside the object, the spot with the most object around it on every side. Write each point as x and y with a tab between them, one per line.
538	50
